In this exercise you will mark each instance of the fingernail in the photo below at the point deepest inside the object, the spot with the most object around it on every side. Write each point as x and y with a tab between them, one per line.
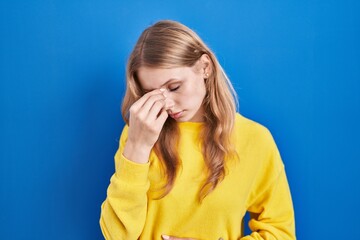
165	236
162	89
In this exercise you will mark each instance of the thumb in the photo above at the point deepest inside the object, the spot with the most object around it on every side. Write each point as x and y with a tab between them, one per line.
166	237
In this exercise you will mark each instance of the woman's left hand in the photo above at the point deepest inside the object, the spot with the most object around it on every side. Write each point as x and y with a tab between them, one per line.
166	237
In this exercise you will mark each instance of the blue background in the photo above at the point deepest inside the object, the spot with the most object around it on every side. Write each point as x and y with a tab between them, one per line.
294	64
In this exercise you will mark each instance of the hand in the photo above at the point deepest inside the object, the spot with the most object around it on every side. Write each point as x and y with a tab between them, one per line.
147	117
166	237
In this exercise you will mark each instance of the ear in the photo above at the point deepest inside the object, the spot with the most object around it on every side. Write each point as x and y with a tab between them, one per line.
206	65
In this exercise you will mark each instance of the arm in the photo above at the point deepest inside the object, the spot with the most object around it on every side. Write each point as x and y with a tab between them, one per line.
271	209
272	215
123	213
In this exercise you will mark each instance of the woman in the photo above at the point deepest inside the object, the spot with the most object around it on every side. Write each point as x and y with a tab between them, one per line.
188	166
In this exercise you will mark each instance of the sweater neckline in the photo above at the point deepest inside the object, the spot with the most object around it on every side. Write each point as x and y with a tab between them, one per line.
190	125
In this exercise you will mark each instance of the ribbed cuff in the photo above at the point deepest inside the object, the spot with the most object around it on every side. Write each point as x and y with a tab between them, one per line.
136	173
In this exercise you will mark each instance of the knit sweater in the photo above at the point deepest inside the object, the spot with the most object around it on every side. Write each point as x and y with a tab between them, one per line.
255	181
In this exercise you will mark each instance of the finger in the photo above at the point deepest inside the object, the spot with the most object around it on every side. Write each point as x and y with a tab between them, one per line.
156	109
158	123
140	102
166	237
155	100
143	111
162	117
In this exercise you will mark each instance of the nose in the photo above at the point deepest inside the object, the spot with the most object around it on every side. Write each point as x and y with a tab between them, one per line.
169	102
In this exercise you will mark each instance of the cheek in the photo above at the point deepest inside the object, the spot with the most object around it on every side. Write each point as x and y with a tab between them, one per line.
200	89
193	94
184	98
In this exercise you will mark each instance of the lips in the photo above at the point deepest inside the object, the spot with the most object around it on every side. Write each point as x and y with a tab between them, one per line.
176	115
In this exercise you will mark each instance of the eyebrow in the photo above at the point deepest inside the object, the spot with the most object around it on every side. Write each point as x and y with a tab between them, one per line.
171	79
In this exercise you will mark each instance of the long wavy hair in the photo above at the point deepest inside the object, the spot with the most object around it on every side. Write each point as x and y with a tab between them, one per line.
169	44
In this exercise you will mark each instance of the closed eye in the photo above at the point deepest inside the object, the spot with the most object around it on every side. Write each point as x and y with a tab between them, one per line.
174	88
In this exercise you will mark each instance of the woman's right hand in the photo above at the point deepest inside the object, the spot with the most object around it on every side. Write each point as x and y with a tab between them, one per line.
147	117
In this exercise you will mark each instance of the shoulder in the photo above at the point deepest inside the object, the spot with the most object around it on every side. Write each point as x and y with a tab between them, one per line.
255	143
247	129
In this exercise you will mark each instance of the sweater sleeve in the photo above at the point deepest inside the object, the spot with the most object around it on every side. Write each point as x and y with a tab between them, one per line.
271	210
123	212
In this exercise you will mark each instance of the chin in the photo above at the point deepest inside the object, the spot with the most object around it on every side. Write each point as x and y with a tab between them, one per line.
192	119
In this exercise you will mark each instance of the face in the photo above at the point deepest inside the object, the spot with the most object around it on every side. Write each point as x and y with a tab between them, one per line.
184	89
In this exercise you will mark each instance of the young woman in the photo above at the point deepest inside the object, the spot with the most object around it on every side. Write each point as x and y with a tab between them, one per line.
188	166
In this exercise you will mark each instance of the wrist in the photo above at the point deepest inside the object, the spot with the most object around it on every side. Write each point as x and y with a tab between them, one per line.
136	153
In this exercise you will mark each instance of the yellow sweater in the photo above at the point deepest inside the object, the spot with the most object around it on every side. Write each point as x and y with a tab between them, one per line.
256	183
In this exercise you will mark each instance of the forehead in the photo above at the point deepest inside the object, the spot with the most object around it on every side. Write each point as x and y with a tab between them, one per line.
153	78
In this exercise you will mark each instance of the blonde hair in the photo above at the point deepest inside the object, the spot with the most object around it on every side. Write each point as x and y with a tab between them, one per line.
169	44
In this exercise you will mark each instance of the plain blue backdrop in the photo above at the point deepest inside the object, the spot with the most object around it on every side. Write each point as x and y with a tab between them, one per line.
294	64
